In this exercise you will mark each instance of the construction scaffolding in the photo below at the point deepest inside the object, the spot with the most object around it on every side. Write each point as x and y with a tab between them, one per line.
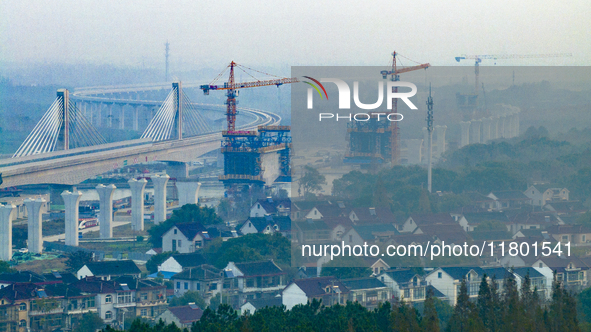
245	156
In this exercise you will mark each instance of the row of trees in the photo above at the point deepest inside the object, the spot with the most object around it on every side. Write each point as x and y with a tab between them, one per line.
512	309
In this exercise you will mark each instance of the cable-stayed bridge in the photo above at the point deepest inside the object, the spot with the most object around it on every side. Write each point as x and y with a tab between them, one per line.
67	145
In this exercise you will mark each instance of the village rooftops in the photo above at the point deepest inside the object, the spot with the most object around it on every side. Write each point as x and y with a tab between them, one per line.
314	287
202	272
261	268
187	314
190	230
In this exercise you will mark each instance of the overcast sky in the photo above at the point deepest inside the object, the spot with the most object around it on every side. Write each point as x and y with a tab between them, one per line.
283	33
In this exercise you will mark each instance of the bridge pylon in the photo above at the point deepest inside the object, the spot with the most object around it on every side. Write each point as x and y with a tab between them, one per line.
62	127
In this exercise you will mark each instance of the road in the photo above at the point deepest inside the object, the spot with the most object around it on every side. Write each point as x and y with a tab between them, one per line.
55	238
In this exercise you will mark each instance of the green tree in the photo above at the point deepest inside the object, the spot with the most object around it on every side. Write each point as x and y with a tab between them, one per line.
312	180
430	321
188	297
90	321
465	317
189	213
78	259
249	248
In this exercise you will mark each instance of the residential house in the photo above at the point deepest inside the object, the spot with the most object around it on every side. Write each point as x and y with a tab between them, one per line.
267	225
369	233
537	280
509	199
448	279
474	219
570	271
150	297
377	265
369	291
440	233
253	280
312	231
106	270
18	302
480	202
372	215
405	284
327	210
183	316
573	234
263	207
178	262
327	289
113	300
425	219
251	306
338	226
566	208
541	194
530	220
205	279
184	238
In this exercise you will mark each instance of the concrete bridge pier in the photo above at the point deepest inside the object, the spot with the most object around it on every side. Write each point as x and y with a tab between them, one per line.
71	202
110	116
160	182
486	122
465	129
106	206
189	192
475	131
135	117
177	170
502	122
494	128
440	133
35	237
6	214
122	116
137	203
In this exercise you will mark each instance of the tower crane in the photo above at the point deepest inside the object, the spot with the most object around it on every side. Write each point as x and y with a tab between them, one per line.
478	59
232	89
395	76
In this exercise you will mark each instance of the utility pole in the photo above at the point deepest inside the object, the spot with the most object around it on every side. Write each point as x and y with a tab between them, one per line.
167	49
430	143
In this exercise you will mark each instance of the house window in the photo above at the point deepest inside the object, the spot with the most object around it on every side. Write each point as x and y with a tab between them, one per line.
22	323
179	243
108	315
178	285
108	299
144	312
249	282
277	229
90	303
144	296
198	244
565	238
23	306
258	206
175	231
376	270
315	212
439	275
584	238
198	286
249	224
419	293
407	293
541	265
186	285
382	279
350	238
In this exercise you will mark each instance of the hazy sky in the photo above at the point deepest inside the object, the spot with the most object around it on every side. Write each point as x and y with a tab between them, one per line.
283	33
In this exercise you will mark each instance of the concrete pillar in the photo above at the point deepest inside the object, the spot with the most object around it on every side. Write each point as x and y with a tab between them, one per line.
110	116
494	128
465	128
6	215
178	170
486	122
135	117
475	131
502	123
413	151
160	197
189	192
137	203
99	115
106	205
122	117
440	138
516	124
35	238
71	202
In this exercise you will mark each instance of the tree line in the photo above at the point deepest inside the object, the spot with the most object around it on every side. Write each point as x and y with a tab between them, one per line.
512	309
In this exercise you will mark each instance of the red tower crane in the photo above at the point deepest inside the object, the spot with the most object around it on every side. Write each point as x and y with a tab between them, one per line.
233	87
395	76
